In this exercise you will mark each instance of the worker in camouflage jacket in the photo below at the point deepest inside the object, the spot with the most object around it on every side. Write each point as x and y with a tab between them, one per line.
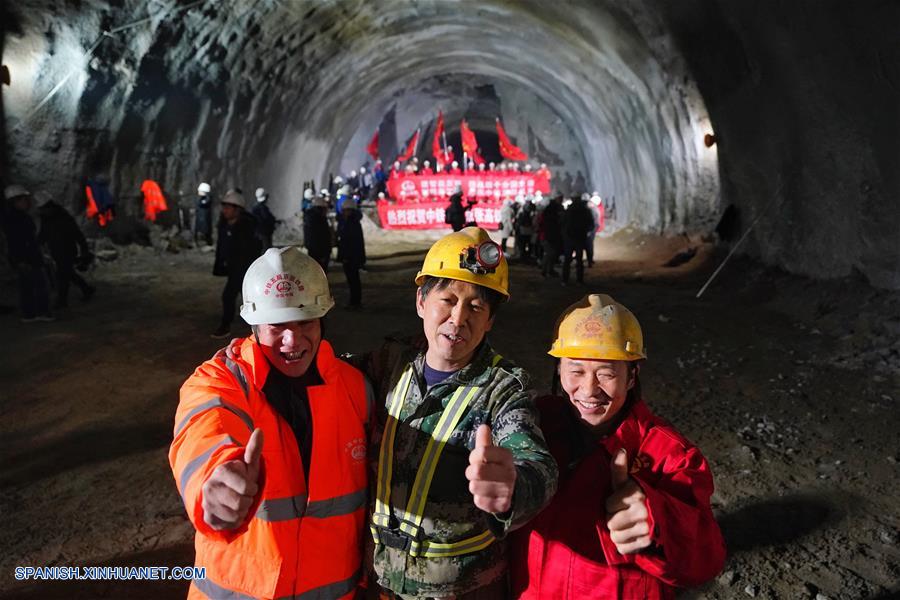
458	457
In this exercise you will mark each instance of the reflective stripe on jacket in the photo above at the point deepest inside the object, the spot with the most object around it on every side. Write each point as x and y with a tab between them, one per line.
301	541
566	551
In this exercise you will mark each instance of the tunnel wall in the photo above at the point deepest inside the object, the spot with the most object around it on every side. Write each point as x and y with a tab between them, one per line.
805	101
802	97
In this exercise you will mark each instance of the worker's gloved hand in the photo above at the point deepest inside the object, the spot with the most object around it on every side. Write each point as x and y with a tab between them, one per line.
232	351
491	474
626	509
230	490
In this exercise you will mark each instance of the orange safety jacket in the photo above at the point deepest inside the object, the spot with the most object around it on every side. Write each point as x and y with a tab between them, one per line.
299	540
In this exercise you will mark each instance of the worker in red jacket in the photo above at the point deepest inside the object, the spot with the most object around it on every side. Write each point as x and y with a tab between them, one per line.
631	518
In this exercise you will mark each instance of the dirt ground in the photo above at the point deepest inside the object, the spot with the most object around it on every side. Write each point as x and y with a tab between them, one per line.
789	386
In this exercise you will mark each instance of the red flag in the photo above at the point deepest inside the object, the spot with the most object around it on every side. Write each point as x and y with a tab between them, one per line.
508	150
469	143
436	142
372	148
410	147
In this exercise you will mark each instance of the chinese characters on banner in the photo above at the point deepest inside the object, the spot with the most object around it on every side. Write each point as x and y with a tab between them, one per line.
430	215
480	186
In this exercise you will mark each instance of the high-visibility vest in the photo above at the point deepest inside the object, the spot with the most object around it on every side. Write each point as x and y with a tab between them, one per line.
302	540
386	526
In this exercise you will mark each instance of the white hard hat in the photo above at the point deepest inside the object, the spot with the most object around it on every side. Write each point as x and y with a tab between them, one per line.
454	164
338	179
261	194
203	188
352	173
283	285
527	166
426	163
362	169
14	191
234	197
596	199
308	193
381	194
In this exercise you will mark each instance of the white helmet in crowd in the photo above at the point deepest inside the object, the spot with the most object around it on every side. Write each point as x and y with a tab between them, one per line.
14	191
284	285
234	197
261	194
596	199
527	167
454	164
353	173
203	189
338	180
426	163
362	170
308	194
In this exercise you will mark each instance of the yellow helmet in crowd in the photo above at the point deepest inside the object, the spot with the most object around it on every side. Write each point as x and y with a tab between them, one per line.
468	255
598	327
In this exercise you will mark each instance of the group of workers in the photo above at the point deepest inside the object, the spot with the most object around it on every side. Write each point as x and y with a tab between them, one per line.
427	468
553	230
242	235
67	253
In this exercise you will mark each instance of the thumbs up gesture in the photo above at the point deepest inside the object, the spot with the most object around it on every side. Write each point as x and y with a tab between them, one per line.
491	473
626	509
230	490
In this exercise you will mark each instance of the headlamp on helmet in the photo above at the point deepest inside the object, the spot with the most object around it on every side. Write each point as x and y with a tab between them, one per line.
481	259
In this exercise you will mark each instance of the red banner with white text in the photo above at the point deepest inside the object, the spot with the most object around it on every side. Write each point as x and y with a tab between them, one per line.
430	215
479	186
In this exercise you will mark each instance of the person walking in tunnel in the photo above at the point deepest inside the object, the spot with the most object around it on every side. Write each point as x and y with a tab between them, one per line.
632	513
68	247
269	448
265	220
352	251
236	247
317	233
24	255
455	215
203	215
461	460
507	222
550	235
524	229
577	224
595	204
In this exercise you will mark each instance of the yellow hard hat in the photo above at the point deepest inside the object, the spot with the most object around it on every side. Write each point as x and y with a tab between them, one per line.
468	255
598	327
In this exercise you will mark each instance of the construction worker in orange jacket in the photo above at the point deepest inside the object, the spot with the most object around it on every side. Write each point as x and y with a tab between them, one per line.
269	450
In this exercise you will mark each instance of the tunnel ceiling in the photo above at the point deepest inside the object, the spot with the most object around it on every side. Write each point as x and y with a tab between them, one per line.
274	93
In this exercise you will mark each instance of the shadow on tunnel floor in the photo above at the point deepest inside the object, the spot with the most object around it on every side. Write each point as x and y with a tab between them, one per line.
777	521
181	555
79	448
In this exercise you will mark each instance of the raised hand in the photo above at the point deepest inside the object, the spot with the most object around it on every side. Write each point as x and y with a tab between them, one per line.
626	508
491	473
230	490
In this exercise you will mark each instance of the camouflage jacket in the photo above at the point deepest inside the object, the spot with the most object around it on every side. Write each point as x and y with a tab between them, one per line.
506	403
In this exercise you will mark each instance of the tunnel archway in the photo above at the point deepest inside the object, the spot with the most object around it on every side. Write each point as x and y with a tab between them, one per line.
277	94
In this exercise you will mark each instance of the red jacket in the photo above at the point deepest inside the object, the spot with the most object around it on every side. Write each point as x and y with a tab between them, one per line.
566	551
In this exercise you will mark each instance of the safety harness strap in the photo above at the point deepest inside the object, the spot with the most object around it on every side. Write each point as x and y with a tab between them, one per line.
409	536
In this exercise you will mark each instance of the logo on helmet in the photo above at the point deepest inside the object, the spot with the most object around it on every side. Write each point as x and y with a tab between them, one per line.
283	285
593	327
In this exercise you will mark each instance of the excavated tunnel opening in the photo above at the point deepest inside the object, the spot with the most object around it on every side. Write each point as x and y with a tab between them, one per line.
781	116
